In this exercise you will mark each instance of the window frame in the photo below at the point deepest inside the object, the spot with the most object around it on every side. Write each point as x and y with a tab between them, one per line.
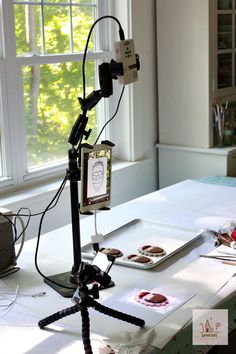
12	101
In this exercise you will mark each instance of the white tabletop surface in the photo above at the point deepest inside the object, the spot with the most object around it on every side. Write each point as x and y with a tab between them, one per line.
207	282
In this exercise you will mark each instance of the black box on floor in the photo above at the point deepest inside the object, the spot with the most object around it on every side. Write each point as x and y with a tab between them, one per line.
7	248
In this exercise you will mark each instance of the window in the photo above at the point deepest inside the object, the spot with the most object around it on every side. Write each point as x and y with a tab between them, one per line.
41	52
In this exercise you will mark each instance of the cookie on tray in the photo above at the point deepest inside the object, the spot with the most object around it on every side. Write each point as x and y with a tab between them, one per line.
152	251
111	251
138	259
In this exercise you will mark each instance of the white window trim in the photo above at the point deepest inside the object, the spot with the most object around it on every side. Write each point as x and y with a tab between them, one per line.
17	170
122	129
129	179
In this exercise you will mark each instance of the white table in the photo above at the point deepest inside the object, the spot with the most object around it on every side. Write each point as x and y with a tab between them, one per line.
187	204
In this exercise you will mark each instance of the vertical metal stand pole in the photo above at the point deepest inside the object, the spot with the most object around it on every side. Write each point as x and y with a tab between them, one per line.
74	177
66	283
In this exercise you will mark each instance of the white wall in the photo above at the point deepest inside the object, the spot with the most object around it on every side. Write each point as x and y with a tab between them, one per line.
140	132
132	179
183	72
178	163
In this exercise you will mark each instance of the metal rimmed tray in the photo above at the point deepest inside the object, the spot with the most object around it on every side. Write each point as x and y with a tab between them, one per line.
129	237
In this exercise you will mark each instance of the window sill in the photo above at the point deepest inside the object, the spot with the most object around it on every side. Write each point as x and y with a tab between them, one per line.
51	187
129	180
213	150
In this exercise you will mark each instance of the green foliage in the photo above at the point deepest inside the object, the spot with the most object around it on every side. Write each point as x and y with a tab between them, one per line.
51	90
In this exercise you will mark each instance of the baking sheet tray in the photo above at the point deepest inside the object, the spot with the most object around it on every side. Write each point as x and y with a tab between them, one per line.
129	237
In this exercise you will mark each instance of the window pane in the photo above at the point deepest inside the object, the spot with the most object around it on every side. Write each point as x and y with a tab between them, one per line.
92	2
42	1
82	20
51	108
56	29
50	33
224	4
225	34
56	1
27	1
224	70
28	30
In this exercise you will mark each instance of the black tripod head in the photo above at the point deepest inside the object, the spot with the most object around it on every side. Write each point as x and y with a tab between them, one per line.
90	273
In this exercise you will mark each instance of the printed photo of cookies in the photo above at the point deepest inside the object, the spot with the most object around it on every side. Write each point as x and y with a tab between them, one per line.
148	298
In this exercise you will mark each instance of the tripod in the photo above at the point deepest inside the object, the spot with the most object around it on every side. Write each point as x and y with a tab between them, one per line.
84	300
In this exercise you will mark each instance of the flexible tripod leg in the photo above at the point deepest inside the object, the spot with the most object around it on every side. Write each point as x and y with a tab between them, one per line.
83	308
58	315
85	329
116	314
70	311
99	307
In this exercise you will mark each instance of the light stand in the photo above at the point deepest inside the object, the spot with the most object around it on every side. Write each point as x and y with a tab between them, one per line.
65	283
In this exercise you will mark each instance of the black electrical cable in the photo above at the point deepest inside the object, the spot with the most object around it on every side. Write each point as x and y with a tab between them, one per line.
27	223
29	215
122	37
55	198
51	205
109	120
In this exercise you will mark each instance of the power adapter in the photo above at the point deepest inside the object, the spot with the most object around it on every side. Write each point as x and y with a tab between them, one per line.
125	54
96	239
